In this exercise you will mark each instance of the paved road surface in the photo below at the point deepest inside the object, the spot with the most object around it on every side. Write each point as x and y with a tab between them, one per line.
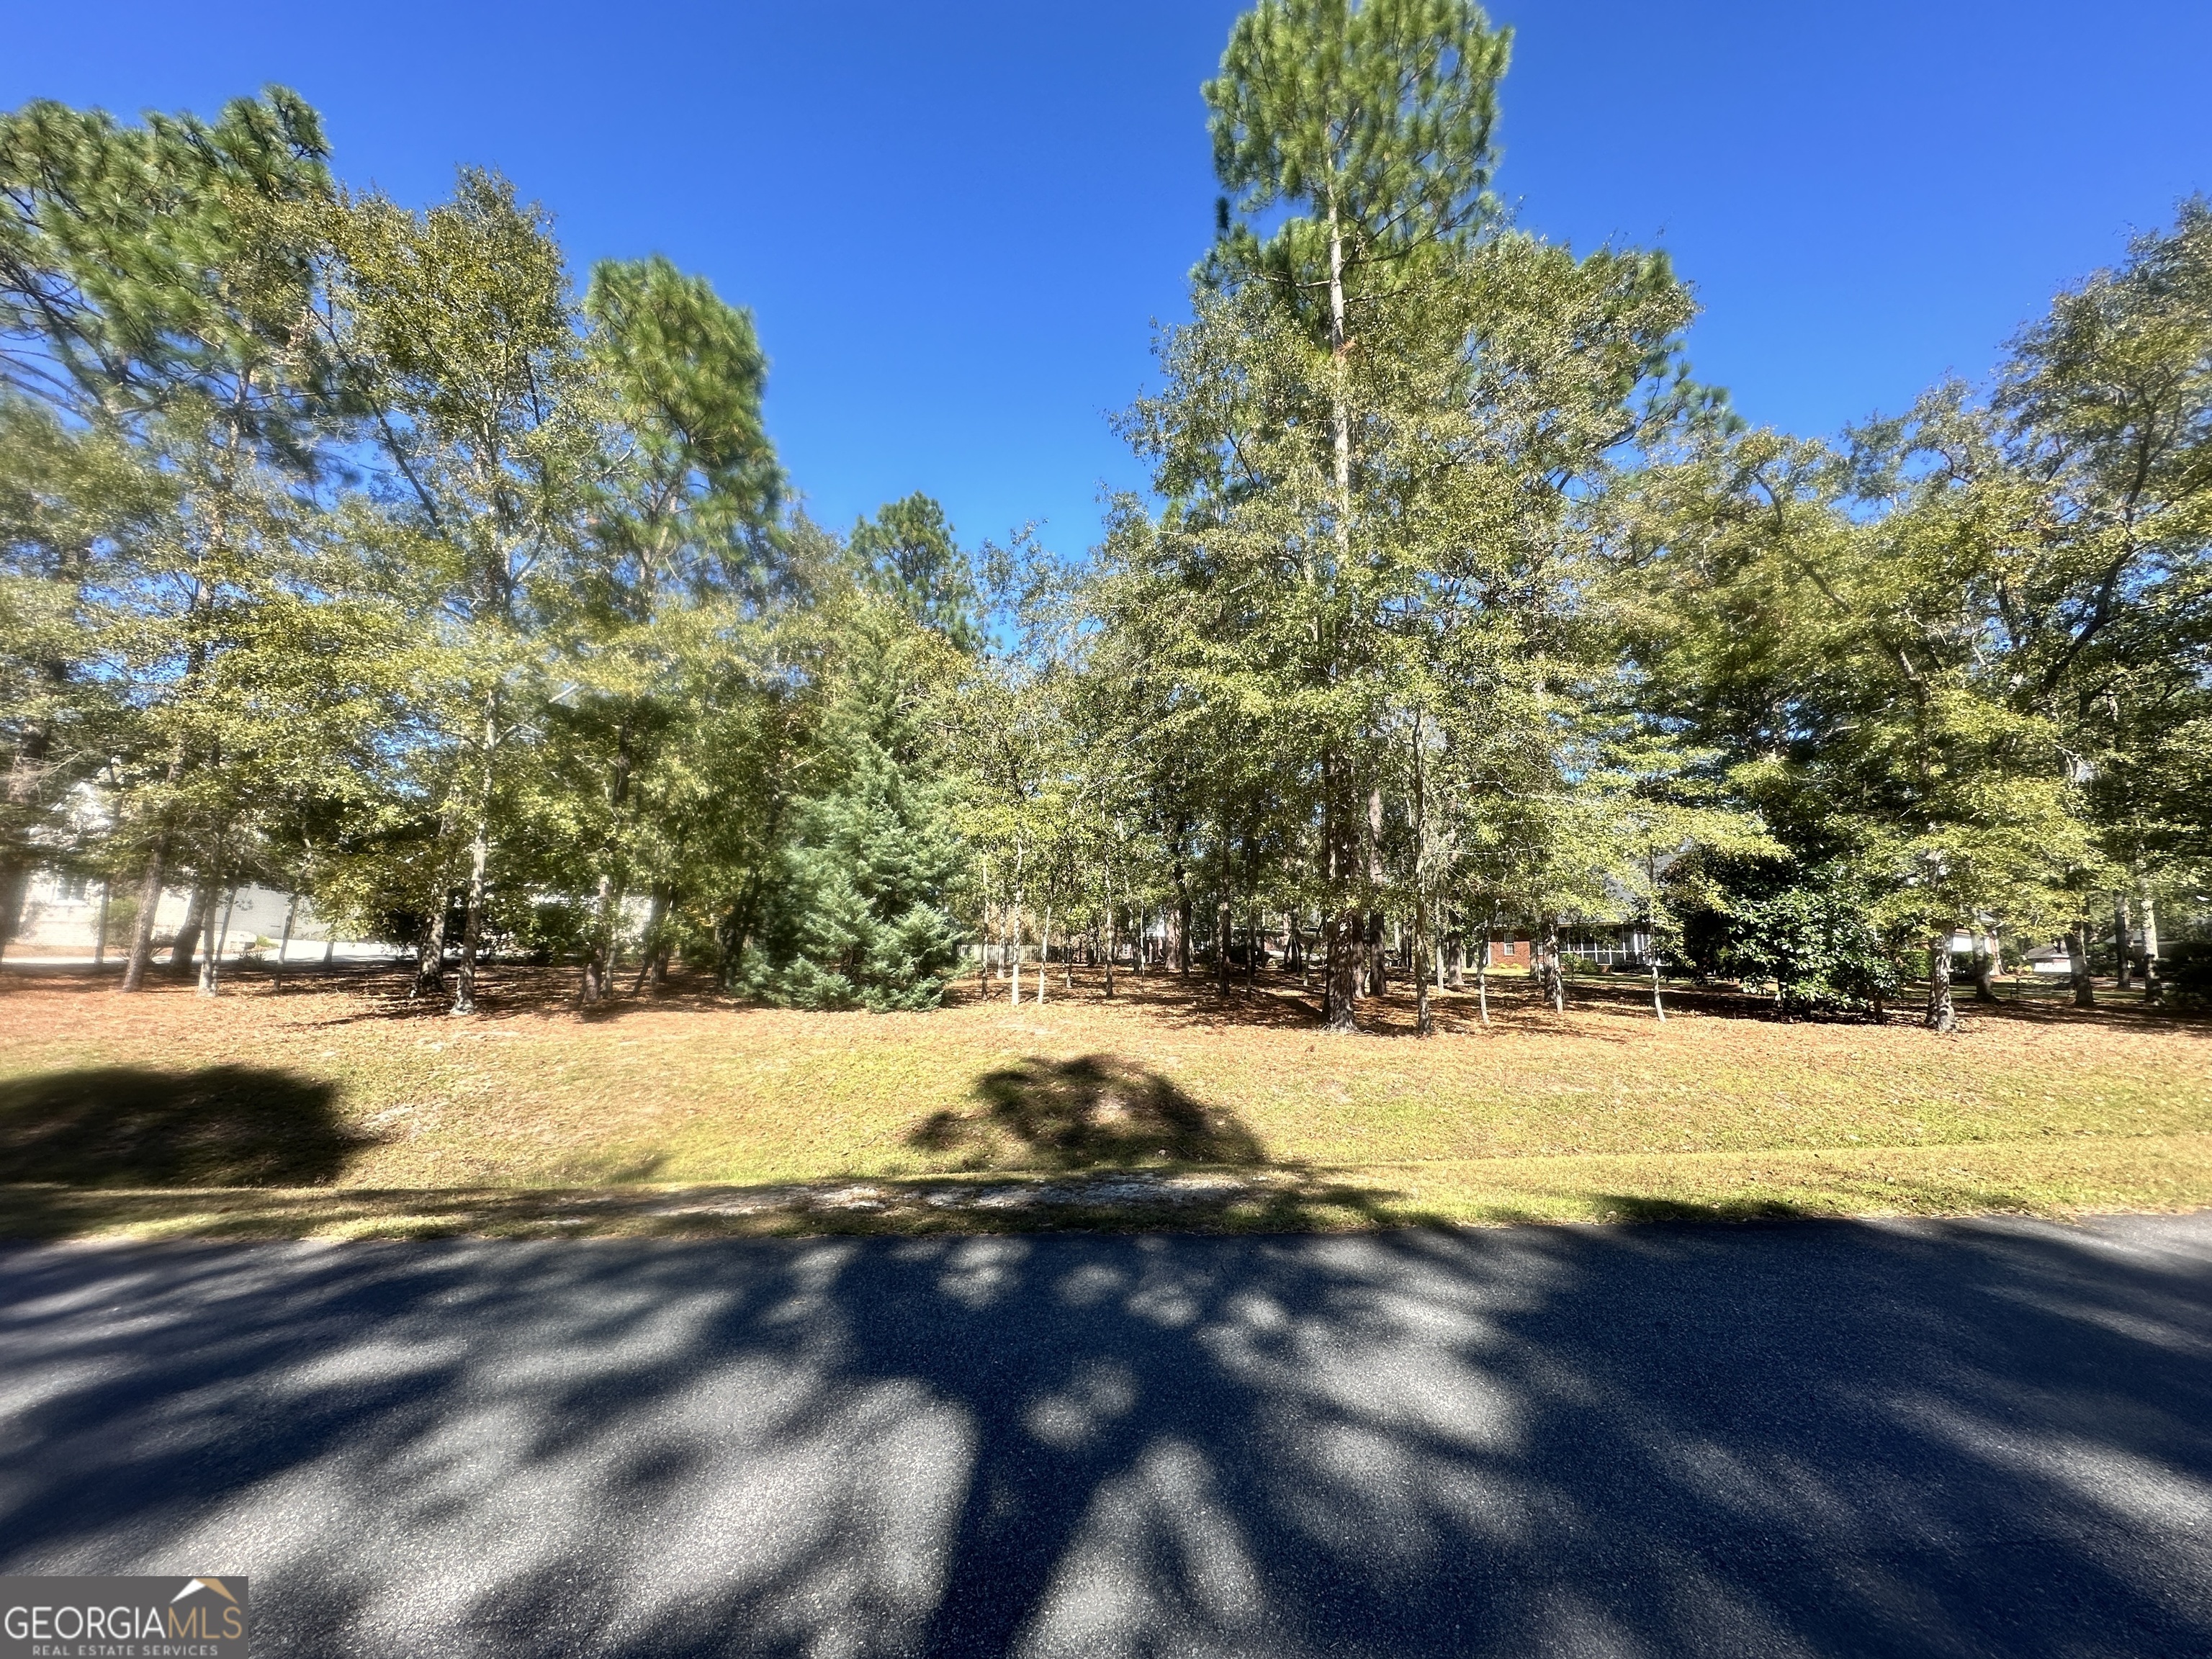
1941	1439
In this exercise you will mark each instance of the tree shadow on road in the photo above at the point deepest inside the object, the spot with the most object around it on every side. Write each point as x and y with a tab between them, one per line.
1828	1439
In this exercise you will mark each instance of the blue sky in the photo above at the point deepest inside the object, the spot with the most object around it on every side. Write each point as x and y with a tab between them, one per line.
956	223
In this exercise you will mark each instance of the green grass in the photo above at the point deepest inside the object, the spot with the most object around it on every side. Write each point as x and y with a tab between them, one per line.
341	1110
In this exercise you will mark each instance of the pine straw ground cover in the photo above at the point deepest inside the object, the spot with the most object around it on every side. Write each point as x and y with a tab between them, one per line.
337	1109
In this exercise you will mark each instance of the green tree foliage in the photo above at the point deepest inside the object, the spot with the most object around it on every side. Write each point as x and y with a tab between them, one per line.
343	545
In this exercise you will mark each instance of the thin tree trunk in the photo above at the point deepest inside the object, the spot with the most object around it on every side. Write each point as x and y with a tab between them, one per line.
211	970
596	965
1113	929
291	914
15	887
2153	986
99	938
142	925
1183	921
2077	964
1482	977
1554	977
2124	940
1424	1016
652	966
1941	1016
1044	954
330	946
464	980
465	977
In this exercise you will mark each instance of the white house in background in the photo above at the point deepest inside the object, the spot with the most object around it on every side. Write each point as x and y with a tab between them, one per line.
62	914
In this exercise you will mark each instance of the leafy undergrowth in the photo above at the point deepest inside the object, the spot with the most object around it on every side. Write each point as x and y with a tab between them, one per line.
336	1107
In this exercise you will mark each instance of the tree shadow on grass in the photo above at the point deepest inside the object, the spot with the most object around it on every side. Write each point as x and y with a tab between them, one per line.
134	1125
1097	1112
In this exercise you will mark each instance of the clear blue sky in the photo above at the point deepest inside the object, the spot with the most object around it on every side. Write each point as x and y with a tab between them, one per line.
956	222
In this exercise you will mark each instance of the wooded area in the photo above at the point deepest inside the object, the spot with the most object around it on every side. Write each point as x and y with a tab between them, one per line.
352	549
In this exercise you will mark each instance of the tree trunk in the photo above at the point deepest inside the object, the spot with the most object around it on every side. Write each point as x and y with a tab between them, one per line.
1984	958
1658	1006
1113	931
2123	941
1553	978
100	939
2077	964
597	968
142	926
1221	928
187	941
1424	1016
14	884
430	949
1941	1016
211	967
465	978
1182	917
291	914
653	969
1340	987
1044	956
2153	986
1455	963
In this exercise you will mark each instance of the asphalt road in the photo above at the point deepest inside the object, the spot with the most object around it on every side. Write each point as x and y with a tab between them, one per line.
1881	1438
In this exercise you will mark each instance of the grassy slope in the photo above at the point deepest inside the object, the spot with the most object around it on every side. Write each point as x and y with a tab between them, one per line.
404	1117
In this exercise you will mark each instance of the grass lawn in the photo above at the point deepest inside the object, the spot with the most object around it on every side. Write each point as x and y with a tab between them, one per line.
337	1109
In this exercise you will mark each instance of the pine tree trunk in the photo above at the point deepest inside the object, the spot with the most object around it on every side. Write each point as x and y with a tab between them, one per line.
2153	986
1455	963
1113	931
291	914
2077	965
142	925
211	969
14	886
1941	1016
1424	1016
187	944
